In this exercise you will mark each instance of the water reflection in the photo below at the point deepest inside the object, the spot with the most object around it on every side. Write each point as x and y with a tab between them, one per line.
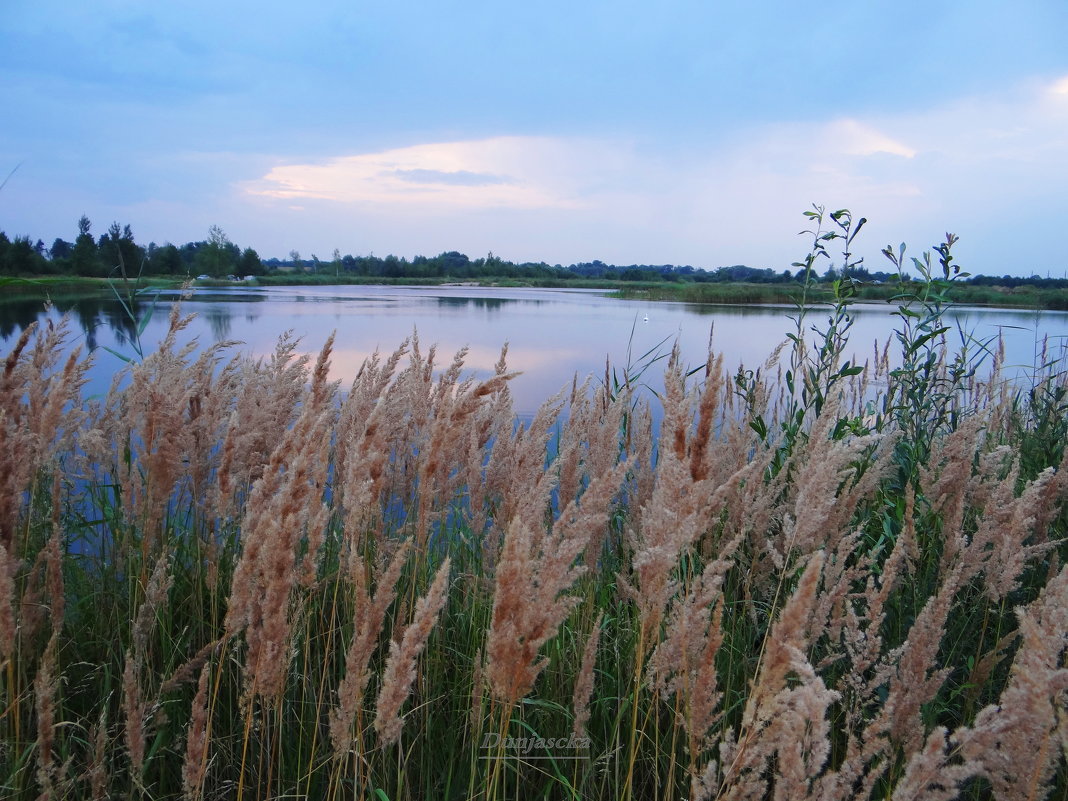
218	296
482	304
16	314
552	334
90	312
777	312
218	318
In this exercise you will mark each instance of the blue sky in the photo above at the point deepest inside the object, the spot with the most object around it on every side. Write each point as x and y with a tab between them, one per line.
669	132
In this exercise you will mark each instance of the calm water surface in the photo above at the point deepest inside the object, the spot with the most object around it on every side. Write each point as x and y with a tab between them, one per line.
552	334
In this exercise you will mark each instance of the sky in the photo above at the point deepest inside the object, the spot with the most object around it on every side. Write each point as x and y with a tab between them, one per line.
676	132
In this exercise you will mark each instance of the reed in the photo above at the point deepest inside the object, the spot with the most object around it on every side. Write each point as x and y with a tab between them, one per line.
236	578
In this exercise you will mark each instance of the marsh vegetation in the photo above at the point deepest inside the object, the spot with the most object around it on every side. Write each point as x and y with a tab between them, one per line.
237	578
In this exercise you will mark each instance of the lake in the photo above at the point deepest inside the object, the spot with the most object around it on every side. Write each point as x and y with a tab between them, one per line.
553	334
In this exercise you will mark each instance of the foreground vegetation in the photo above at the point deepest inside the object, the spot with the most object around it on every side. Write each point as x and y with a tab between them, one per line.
809	580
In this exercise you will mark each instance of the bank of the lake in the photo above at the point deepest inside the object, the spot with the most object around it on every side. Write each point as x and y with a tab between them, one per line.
1025	296
735	292
51	286
1021	297
504	281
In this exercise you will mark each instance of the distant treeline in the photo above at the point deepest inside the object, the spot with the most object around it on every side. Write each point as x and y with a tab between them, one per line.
116	250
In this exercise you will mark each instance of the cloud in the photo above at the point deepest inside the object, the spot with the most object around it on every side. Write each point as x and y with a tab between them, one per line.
456	178
858	139
971	165
522	172
974	165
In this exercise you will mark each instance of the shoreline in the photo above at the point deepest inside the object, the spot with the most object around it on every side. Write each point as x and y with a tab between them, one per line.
734	293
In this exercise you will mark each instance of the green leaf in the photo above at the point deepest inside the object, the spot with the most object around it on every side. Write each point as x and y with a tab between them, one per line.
541	703
921	341
143	322
759	426
115	353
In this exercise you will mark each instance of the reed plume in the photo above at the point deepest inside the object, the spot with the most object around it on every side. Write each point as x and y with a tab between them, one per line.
399	672
580	700
196	741
8	624
534	572
368	618
1015	743
284	509
45	687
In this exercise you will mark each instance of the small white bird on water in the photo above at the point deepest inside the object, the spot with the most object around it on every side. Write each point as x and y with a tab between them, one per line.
646	319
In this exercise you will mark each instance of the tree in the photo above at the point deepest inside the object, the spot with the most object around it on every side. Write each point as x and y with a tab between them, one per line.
61	249
250	263
451	263
188	253
85	258
294	256
166	260
5	251
218	256
21	258
118	248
